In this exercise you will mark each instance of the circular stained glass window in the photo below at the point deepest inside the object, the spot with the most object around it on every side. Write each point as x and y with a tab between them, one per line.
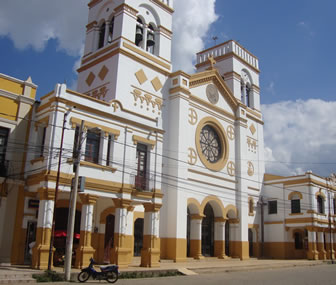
210	144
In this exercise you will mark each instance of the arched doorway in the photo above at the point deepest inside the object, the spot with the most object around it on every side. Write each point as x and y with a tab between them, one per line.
188	233
208	231
109	238
250	239
60	234
138	236
227	238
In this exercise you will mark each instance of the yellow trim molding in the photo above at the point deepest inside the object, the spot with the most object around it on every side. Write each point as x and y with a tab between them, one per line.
137	139
295	193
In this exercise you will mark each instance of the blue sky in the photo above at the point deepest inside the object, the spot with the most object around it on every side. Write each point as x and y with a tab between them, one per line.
294	40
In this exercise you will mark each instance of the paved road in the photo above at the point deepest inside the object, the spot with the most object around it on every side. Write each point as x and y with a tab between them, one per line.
312	275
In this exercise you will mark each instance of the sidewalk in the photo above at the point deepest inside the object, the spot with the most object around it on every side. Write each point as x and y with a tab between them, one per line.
191	267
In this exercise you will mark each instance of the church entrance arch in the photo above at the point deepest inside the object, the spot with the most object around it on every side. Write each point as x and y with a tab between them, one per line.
208	229
138	236
250	239
188	233
227	239
109	237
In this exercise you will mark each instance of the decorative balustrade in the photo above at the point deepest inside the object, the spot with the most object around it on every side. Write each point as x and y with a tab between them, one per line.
225	48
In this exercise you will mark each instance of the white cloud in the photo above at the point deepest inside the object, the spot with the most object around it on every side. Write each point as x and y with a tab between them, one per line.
192	20
306	28
271	88
33	23
300	136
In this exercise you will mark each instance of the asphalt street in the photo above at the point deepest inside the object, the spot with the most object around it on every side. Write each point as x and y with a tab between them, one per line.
311	275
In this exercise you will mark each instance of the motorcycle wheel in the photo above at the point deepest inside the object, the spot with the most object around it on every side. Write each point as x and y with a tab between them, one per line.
111	277
83	276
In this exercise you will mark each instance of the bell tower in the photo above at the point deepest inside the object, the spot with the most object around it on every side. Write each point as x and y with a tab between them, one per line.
239	69
127	54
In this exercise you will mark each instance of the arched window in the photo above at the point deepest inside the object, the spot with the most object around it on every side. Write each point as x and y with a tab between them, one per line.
111	28
150	39
320	204
139	33
101	36
295	204
245	88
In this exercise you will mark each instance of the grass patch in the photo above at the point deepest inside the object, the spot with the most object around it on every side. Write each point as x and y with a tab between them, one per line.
49	276
149	274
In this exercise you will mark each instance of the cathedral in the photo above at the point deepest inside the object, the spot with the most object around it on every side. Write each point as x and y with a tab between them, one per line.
172	163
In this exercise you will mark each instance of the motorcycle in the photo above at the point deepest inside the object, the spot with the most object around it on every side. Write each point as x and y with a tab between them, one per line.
110	273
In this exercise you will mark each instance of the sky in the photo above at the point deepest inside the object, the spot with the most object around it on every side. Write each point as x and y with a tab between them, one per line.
293	40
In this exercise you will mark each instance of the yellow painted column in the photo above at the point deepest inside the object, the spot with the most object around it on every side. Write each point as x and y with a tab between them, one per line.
85	250
122	248
312	253
220	238
43	233
320	245
150	253
330	247
196	236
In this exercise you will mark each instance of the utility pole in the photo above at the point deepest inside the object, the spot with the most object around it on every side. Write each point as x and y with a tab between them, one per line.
262	204
56	190
72	210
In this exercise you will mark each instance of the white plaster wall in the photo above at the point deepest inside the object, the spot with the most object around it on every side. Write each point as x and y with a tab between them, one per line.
274	233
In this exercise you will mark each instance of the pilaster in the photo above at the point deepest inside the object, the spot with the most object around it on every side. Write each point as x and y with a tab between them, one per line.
312	253
43	233
122	249
320	246
85	250
150	253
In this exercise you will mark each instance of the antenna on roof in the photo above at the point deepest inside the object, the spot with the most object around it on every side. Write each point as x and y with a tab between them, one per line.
215	38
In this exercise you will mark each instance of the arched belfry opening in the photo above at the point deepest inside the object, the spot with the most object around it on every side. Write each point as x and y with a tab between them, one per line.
150	39
101	38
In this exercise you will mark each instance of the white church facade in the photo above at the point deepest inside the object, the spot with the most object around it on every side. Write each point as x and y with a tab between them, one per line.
173	162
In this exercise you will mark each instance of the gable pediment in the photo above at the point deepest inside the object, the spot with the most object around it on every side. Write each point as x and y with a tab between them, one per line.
212	76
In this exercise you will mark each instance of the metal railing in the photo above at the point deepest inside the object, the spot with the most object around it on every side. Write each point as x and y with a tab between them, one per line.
142	183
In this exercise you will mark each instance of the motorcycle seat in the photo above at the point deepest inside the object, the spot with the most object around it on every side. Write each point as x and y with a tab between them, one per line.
107	267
